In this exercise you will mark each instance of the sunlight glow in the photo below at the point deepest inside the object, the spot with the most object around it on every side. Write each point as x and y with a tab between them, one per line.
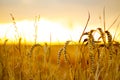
46	30
26	30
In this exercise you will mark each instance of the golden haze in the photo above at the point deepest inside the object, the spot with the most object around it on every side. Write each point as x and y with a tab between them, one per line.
52	31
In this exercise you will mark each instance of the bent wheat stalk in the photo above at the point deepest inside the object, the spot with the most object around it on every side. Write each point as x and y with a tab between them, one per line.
102	35
59	54
30	59
110	45
91	46
32	48
65	53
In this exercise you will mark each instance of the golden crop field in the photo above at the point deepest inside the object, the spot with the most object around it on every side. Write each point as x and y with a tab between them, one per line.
86	59
89	60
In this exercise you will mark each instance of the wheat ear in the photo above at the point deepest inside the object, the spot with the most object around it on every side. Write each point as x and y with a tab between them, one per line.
32	48
102	35
65	53
109	36
91	46
59	55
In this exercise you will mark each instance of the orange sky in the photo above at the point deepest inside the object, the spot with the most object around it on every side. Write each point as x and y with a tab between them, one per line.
60	14
57	9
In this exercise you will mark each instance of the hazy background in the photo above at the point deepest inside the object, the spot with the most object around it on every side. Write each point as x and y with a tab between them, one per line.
72	15
71	10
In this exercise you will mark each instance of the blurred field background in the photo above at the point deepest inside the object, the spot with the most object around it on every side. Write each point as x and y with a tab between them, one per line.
69	61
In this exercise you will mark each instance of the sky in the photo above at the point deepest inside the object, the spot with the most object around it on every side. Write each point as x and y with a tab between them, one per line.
74	10
57	17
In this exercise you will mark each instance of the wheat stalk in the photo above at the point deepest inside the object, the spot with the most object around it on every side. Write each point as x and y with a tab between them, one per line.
102	35
65	52
104	18
114	22
32	48
46	53
36	27
85	26
59	54
15	26
91	46
116	31
30	58
109	36
19	45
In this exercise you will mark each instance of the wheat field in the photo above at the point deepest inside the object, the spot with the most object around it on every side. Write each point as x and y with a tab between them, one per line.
89	59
